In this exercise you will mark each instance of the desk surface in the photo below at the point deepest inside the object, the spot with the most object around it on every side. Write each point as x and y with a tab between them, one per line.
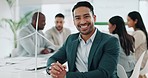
24	74
21	67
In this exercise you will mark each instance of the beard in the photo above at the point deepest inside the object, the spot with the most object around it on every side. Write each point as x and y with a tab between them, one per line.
59	28
41	28
86	31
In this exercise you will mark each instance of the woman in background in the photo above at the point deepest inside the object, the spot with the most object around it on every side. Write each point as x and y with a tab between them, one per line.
126	57
135	21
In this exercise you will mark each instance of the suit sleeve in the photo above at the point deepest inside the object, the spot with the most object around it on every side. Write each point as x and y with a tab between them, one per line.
60	56
107	65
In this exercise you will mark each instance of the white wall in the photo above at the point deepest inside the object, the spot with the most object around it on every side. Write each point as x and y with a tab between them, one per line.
144	12
6	36
105	9
50	10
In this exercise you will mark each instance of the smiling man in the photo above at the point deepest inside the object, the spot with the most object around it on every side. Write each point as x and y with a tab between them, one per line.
89	53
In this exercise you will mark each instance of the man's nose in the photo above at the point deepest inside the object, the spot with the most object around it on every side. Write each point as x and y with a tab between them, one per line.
82	21
59	24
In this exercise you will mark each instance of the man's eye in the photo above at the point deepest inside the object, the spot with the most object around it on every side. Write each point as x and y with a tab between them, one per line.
77	18
87	16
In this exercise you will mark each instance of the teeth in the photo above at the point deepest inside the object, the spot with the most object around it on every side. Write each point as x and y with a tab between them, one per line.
83	26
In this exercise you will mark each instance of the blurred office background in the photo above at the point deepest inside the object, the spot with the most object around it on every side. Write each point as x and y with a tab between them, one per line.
104	9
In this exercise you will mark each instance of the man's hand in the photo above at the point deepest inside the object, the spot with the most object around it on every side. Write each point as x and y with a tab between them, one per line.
57	70
46	51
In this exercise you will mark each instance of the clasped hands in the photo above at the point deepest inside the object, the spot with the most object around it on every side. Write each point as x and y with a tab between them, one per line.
57	70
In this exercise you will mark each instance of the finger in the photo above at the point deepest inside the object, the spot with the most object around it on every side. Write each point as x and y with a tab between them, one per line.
54	76
54	72
64	66
56	67
60	65
53	64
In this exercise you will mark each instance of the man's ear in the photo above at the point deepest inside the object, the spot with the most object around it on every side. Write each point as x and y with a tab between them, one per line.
33	22
74	22
94	16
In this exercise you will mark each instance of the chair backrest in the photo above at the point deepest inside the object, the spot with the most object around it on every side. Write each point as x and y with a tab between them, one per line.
136	70
145	69
121	71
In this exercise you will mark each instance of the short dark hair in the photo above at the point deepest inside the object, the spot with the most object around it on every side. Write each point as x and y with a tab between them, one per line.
85	4
34	17
60	15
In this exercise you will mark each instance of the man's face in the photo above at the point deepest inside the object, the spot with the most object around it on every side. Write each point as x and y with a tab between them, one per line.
41	22
84	20
59	22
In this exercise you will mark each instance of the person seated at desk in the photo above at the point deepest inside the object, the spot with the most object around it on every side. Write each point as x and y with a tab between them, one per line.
26	46
58	34
89	53
126	56
135	21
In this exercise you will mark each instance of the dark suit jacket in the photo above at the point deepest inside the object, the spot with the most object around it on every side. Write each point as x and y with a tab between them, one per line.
102	59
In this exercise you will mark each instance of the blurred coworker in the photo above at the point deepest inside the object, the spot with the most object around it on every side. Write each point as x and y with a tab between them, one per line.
58	34
89	53
135	21
26	46
126	55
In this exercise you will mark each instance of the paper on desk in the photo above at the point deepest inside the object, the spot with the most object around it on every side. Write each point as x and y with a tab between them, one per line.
2	62
17	59
11	61
31	64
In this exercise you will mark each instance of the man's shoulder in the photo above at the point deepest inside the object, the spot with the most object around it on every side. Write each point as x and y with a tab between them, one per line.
50	30
74	36
67	29
24	29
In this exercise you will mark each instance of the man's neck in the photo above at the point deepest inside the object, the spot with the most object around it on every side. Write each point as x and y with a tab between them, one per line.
86	37
60	31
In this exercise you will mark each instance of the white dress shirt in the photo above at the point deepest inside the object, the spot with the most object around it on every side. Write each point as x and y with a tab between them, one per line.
83	53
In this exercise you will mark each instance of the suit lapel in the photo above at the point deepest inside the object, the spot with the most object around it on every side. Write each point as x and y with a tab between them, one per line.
74	45
94	46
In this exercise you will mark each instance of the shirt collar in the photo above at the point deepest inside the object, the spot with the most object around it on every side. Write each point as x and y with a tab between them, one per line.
91	38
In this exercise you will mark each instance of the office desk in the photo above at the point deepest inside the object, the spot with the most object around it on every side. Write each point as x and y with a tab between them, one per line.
23	67
24	74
